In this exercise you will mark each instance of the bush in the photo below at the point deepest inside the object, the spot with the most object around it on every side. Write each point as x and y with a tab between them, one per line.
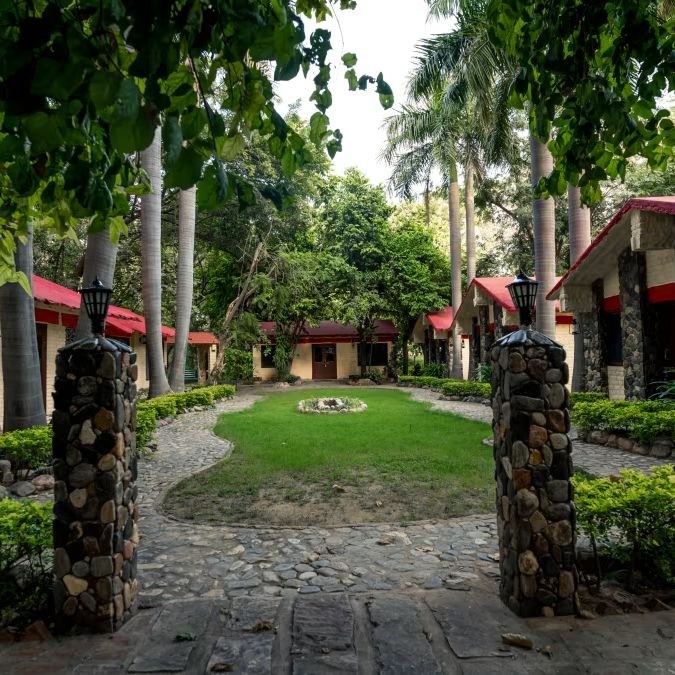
146	423
587	396
25	542
164	406
429	382
203	397
483	373
641	420
292	379
634	518
375	376
466	388
434	370
27	448
238	365
220	391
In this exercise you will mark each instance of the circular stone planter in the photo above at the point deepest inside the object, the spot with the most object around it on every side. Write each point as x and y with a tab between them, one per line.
331	406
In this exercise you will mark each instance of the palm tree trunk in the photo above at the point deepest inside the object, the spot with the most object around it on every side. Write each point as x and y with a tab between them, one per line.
151	253
22	382
455	265
544	239
184	285
470	225
99	261
579	217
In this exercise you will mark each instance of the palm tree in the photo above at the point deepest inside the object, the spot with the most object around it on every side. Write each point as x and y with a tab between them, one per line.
184	285
23	402
151	253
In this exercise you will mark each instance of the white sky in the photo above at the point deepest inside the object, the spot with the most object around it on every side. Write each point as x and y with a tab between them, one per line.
383	34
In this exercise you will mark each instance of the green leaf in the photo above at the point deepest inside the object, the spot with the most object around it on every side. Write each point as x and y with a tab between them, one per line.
43	131
55	79
351	78
230	147
103	88
24	179
128	101
192	123
172	140
213	189
288	70
349	59
129	136
186	171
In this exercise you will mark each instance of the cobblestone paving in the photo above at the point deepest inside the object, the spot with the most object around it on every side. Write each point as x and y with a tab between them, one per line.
179	560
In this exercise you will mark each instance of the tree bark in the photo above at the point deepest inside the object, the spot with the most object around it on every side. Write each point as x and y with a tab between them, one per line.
99	261
184	285
23	402
579	218
544	239
470	225
455	265
151	252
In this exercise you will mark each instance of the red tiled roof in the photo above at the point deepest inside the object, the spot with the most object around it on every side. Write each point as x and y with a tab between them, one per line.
441	320
197	338
333	329
123	321
665	204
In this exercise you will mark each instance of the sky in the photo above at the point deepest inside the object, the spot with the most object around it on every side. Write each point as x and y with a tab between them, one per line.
383	34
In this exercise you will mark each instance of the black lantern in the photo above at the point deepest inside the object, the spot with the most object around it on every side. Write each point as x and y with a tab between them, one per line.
523	292
96	302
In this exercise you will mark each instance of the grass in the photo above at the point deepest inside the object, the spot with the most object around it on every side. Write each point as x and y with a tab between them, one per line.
398	460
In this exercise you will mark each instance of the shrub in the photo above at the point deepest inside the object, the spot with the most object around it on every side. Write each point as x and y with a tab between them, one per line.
665	390
27	448
375	376
292	379
164	406
641	420
25	542
483	373
146	423
434	370
466	388
430	382
238	365
634	517
220	391
587	396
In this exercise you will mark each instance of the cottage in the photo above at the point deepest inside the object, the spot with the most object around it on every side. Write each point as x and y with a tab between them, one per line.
622	291
57	310
329	351
487	313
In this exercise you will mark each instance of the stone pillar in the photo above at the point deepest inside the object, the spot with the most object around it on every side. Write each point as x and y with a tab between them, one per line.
592	331
498	313
95	511
484	320
535	508
474	348
636	333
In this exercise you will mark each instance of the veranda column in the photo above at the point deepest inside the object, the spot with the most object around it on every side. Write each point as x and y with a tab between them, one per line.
95	512
535	507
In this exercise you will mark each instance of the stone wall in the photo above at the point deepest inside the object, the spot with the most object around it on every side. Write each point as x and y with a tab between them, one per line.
534	496
486	338
498	312
95	493
637	331
595	375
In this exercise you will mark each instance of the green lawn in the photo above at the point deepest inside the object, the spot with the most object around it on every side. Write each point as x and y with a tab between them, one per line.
398	460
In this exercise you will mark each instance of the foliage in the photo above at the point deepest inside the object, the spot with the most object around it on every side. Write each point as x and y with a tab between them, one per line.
85	84
291	379
439	370
27	449
665	389
592	73
25	541
483	373
164	406
635	517
146	424
642	420
423	381
466	388
587	396
221	391
238	365
375	376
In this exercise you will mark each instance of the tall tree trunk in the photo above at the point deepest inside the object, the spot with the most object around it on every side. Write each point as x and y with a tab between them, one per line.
579	218
151	253
184	285
470	225
99	261
455	265
544	239
22	382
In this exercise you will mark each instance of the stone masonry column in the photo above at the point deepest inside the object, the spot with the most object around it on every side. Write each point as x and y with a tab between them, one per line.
498	312
535	507
483	320
592	332
95	512
635	329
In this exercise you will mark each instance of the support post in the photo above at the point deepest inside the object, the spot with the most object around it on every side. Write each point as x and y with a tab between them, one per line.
534	496
95	511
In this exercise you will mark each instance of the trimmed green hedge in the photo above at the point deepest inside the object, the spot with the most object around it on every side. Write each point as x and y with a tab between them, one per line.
641	420
466	388
146	423
449	387
27	448
587	396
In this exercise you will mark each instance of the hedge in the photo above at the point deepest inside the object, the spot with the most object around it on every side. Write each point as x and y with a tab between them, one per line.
641	420
27	449
587	396
449	387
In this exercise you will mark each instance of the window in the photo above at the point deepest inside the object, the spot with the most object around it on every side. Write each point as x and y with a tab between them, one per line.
375	354
613	341
267	356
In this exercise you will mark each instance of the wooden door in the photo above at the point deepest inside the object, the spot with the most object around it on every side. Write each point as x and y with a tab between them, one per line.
324	362
41	330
